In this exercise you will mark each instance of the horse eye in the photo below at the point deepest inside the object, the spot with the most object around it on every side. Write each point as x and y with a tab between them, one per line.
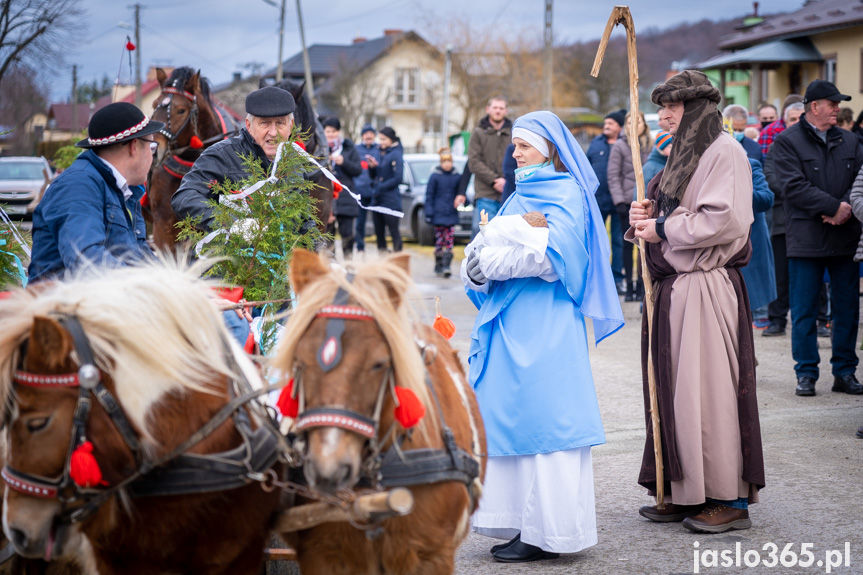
181	112
37	424
380	365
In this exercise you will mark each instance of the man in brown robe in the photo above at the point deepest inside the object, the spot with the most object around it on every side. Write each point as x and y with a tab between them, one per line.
696	224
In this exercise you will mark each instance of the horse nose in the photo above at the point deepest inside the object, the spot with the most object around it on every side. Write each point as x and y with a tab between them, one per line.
331	479
19	540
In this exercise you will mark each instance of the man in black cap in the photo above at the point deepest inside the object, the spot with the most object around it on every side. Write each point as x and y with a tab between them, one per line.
92	211
269	115
815	164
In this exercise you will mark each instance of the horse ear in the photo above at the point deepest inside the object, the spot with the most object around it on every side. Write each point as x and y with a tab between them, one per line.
49	342
306	267
297	91
195	82
401	261
161	76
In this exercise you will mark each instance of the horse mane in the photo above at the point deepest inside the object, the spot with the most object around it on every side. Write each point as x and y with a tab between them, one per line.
154	328
371	289
184	74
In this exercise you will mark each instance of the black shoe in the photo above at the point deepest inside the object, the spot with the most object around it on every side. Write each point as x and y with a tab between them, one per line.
824	330
805	386
502	546
847	384
860	432
621	289
629	297
773	329
521	552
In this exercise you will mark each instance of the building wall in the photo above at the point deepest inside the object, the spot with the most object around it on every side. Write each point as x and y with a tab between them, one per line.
846	46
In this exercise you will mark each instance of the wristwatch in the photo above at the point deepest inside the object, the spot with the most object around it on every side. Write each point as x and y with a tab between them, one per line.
660	227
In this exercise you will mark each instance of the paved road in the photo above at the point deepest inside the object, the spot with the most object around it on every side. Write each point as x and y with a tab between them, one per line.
813	462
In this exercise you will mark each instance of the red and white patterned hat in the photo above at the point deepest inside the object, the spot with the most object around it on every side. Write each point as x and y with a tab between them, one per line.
116	123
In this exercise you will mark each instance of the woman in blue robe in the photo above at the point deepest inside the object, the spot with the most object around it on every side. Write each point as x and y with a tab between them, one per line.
529	358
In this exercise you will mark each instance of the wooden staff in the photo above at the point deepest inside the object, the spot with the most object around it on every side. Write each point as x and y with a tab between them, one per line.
621	15
396	502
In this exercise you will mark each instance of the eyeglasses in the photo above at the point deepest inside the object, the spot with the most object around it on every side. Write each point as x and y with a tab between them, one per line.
154	145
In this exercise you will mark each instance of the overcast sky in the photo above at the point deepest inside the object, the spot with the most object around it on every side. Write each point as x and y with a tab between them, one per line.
219	36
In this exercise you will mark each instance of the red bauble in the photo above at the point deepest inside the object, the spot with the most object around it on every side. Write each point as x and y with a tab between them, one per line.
130	46
83	467
287	404
410	410
444	326
196	143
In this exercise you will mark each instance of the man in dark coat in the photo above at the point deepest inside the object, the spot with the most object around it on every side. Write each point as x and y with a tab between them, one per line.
92	212
488	143
269	114
370	155
598	153
815	164
345	165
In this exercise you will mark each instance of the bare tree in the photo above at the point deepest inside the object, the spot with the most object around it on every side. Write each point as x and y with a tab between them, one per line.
35	29
356	96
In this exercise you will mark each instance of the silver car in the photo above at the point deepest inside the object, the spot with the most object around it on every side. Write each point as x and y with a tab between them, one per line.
22	182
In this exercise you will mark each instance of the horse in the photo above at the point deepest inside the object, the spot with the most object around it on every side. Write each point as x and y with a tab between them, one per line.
193	122
306	118
348	343
131	439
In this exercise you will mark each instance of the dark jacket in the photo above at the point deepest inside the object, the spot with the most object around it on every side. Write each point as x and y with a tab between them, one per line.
509	167
363	184
598	153
441	190
387	177
760	273
345	205
778	222
753	150
84	217
485	156
814	178
219	162
655	163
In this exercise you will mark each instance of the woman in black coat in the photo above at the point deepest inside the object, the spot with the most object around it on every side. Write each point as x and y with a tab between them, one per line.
387	176
440	210
345	165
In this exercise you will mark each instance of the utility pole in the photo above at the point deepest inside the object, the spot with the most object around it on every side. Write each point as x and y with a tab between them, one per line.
279	71
138	94
310	85
74	98
444	119
547	62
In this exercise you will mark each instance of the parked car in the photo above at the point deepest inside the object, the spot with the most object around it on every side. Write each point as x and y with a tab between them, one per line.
22	182
418	169
652	124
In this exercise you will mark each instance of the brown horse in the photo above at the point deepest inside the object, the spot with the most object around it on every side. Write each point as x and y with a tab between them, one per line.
352	349
188	112
130	365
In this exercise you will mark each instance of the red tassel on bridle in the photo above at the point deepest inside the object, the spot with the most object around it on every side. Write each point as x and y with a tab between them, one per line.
410	409
287	403
196	143
83	467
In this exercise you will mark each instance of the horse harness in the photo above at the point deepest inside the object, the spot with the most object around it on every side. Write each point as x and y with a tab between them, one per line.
176	473
172	162
394	467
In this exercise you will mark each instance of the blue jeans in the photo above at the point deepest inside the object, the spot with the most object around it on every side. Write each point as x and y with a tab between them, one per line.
805	276
491	207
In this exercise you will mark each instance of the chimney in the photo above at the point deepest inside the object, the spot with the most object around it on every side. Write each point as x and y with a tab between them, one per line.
238	77
392	32
359	40
755	9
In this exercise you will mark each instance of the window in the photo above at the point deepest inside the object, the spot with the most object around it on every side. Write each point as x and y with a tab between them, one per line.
432	125
830	68
377	121
407	86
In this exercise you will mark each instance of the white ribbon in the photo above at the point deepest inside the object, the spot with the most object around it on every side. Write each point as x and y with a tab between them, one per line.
232	199
15	234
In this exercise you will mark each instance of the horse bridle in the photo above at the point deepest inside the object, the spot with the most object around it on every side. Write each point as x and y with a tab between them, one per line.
174	90
88	380
249	462
329	356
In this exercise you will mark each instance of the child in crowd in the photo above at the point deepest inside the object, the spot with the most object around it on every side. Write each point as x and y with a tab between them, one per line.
440	210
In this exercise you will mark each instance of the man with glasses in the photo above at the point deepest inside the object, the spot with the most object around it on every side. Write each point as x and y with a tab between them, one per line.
92	213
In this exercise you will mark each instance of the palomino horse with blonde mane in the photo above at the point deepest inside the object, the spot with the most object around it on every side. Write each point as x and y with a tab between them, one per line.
363	375
132	439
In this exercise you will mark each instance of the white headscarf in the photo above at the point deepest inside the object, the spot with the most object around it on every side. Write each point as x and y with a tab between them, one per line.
533	139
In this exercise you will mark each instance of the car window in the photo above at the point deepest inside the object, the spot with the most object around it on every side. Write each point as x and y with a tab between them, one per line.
21	171
421	169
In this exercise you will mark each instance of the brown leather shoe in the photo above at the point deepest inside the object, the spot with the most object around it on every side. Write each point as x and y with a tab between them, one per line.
718	519
671	513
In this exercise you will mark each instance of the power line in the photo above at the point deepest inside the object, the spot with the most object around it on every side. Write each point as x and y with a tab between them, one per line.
185	49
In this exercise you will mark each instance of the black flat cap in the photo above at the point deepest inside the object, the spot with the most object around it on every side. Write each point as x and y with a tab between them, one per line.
116	123
270	102
823	90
